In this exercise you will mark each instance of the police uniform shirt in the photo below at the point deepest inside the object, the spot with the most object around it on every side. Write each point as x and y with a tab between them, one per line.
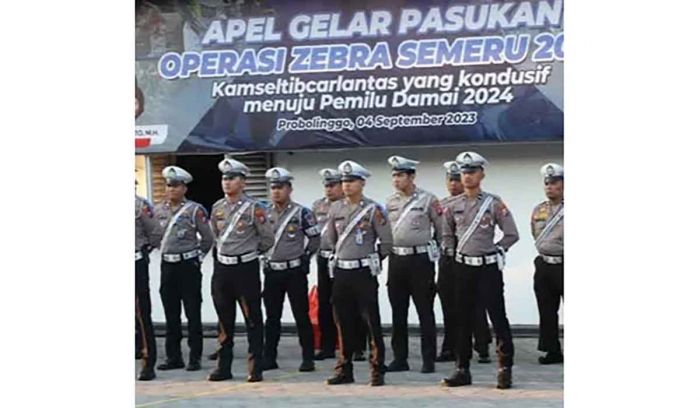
360	242
553	243
146	224
460	212
320	208
291	242
182	237
251	233
414	229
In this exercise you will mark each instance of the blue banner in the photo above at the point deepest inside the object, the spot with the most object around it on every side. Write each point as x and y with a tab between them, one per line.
215	76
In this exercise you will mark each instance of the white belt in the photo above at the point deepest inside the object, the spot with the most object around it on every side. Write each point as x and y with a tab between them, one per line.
325	254
236	259
284	265
181	257
139	255
402	251
554	260
355	264
476	260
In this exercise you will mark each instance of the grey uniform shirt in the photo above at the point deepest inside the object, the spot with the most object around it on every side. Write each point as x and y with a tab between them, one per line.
320	208
415	226
252	231
444	203
553	243
146	225
291	238
460	212
360	242
182	237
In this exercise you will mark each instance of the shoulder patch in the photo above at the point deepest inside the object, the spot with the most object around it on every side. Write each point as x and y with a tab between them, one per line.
380	215
502	208
437	207
260	213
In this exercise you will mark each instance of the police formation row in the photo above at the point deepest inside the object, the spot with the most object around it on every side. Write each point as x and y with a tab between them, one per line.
350	235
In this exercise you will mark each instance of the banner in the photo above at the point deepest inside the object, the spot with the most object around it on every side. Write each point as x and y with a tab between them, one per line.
221	76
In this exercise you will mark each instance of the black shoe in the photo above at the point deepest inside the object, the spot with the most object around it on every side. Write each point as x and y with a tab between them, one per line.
269	365
171	365
147	374
359	356
193	365
428	367
255	377
396	366
307	365
484	358
551	358
445	357
322	355
213	356
458	378
219	375
505	378
341	378
377	380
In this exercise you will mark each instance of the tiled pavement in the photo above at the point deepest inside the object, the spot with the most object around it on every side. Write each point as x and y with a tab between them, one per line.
534	385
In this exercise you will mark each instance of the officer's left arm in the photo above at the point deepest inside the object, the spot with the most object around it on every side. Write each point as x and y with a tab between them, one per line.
312	231
264	228
435	214
206	235
505	221
380	222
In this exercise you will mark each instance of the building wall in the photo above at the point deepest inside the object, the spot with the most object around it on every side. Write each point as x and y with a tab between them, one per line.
513	174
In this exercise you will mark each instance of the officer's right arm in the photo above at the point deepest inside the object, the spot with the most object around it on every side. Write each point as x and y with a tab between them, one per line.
263	228
448	231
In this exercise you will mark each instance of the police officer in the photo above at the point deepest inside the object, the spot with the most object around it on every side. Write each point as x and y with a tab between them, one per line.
329	334
146	239
355	223
286	267
181	221
547	225
469	229
243	232
445	286
414	215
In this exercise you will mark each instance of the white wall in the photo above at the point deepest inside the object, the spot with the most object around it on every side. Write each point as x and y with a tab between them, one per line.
513	174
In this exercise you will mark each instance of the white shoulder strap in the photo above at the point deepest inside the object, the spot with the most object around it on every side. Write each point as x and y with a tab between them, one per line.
234	220
412	203
552	222
472	227
175	217
281	227
351	225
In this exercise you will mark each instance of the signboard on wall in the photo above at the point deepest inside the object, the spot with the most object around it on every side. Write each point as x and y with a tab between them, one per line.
218	75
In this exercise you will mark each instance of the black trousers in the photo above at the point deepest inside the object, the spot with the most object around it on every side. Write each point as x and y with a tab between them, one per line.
181	284
294	284
239	283
355	296
549	290
412	276
146	337
477	287
326	323
447	294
